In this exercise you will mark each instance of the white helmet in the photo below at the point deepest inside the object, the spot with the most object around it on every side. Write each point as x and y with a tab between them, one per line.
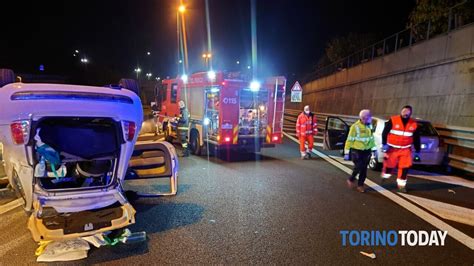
181	104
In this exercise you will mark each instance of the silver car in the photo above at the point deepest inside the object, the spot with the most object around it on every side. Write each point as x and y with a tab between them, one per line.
431	153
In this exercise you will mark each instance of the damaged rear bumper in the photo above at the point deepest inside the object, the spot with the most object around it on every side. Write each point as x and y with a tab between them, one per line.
93	222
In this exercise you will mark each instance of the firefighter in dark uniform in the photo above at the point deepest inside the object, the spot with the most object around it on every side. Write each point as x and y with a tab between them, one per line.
183	128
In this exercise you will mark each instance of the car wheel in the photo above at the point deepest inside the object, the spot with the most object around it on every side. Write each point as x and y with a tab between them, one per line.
194	143
374	164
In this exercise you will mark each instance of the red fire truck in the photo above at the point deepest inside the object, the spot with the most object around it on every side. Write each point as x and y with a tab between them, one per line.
226	111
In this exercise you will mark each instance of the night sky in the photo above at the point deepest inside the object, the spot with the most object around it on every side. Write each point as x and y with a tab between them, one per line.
115	35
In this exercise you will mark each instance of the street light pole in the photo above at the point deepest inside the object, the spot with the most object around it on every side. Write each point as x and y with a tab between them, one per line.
182	9
183	47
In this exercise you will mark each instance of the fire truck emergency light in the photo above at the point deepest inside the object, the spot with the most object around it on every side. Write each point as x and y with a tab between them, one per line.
211	75
206	121
184	78
254	86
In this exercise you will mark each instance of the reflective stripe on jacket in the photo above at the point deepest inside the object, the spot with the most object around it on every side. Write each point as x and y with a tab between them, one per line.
360	137
306	125
401	136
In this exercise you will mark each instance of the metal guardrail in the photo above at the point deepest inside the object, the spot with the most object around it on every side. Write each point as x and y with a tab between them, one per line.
455	19
459	141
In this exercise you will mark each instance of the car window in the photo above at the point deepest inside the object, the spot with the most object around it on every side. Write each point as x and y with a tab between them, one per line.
426	129
336	124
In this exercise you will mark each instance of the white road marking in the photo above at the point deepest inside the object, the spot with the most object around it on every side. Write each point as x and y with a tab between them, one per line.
341	160
454	180
433	220
11	205
444	210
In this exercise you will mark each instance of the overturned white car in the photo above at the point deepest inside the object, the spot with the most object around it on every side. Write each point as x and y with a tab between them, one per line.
68	150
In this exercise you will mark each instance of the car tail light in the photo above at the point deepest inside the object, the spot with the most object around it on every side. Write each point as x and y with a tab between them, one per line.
20	131
129	129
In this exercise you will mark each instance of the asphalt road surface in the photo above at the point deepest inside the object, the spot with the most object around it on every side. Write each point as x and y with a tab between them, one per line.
269	208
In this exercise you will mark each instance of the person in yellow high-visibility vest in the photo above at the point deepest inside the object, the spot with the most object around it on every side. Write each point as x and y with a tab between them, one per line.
359	147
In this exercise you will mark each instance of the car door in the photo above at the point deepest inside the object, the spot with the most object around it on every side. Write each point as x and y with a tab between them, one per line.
152	160
335	133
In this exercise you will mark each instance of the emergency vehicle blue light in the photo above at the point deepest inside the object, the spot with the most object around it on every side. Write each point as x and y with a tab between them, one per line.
207	121
211	75
184	78
214	90
254	86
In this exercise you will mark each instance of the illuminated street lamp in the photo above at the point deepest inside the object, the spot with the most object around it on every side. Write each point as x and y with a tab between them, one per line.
148	75
206	57
182	8
84	60
148	53
137	70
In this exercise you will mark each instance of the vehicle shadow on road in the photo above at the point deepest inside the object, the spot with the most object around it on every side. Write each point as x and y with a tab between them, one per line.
152	187
158	216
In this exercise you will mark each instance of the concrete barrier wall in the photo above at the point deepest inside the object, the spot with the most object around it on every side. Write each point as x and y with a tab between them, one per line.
436	77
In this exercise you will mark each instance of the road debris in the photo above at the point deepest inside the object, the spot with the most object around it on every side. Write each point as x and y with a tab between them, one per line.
96	240
68	250
370	255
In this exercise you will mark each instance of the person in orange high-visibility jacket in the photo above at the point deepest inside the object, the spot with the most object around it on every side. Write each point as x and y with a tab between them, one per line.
306	128
398	136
